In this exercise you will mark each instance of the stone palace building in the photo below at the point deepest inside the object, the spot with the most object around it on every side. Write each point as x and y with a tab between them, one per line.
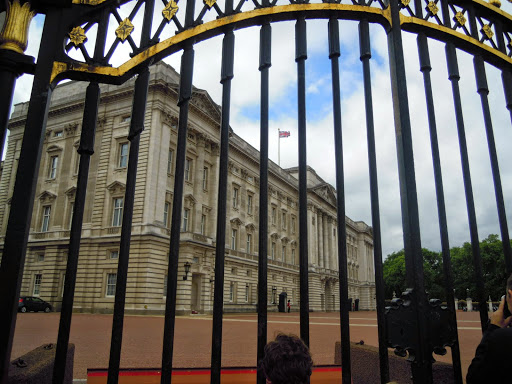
53	208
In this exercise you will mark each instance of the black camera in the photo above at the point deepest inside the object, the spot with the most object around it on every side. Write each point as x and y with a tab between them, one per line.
506	311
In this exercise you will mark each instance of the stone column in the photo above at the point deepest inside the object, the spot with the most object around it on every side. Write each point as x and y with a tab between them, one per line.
319	226
198	182
325	232
331	242
312	236
214	189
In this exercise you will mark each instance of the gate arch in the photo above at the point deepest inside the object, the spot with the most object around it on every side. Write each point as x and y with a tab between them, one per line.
454	22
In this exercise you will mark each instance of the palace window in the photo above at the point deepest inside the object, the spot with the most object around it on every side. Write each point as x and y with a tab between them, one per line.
231	291
114	255
166	213
234	234
58	134
71	211
273	215
249	204
293	256
247	290
293	224
235	197
38	277
186	214
117	212
188	167
283	253
45	222
52	169
170	158
205	178
273	251
111	284
283	220
248	248
203	224
123	155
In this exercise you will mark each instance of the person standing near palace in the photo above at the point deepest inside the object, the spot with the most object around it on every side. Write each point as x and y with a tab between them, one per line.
289	306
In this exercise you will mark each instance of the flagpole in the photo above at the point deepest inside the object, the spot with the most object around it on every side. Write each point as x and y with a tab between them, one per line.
278	147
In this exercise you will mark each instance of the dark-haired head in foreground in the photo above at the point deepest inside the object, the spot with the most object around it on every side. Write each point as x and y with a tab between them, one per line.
287	361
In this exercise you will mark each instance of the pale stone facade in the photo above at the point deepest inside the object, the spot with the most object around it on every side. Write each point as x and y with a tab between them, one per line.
47	250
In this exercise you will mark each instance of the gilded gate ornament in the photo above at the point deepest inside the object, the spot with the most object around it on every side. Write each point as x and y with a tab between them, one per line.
125	29
405	3
459	18
170	10
14	33
487	31
77	36
432	7
209	3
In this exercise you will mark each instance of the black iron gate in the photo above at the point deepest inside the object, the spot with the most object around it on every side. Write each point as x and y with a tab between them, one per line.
476	27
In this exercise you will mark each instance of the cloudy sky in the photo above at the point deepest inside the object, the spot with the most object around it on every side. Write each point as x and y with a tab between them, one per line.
320	150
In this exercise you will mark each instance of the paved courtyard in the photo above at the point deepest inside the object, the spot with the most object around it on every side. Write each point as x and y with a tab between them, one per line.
142	338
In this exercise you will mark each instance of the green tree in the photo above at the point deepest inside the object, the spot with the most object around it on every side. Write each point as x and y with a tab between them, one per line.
395	275
493	267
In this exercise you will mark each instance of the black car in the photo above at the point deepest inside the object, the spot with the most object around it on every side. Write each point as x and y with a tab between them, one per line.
30	303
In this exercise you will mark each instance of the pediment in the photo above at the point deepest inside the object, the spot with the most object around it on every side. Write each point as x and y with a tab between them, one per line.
47	196
236	221
202	101
116	187
274	236
326	192
71	192
53	148
250	227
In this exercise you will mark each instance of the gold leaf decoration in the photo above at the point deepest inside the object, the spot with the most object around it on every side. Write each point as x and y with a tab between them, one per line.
486	29
124	29
459	17
77	36
14	33
496	3
170	10
209	3
432	7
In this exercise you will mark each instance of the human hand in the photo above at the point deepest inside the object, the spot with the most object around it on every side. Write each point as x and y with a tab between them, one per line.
497	318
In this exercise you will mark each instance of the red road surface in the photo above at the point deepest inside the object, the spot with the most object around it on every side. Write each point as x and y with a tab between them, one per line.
142	338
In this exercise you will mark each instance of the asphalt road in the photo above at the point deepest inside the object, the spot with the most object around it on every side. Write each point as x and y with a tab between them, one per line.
142	337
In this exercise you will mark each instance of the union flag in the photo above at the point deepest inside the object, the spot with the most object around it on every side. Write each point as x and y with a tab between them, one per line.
284	134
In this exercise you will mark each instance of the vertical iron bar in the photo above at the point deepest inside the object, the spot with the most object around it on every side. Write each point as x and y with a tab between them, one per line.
12	65
483	91
228	53
86	150
300	58
185	94
422	365
136	127
365	56
16	237
334	54
425	68
506	78
187	69
265	63
454	77
140	96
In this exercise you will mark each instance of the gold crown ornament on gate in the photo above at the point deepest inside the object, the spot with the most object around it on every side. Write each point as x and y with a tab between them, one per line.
14	34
